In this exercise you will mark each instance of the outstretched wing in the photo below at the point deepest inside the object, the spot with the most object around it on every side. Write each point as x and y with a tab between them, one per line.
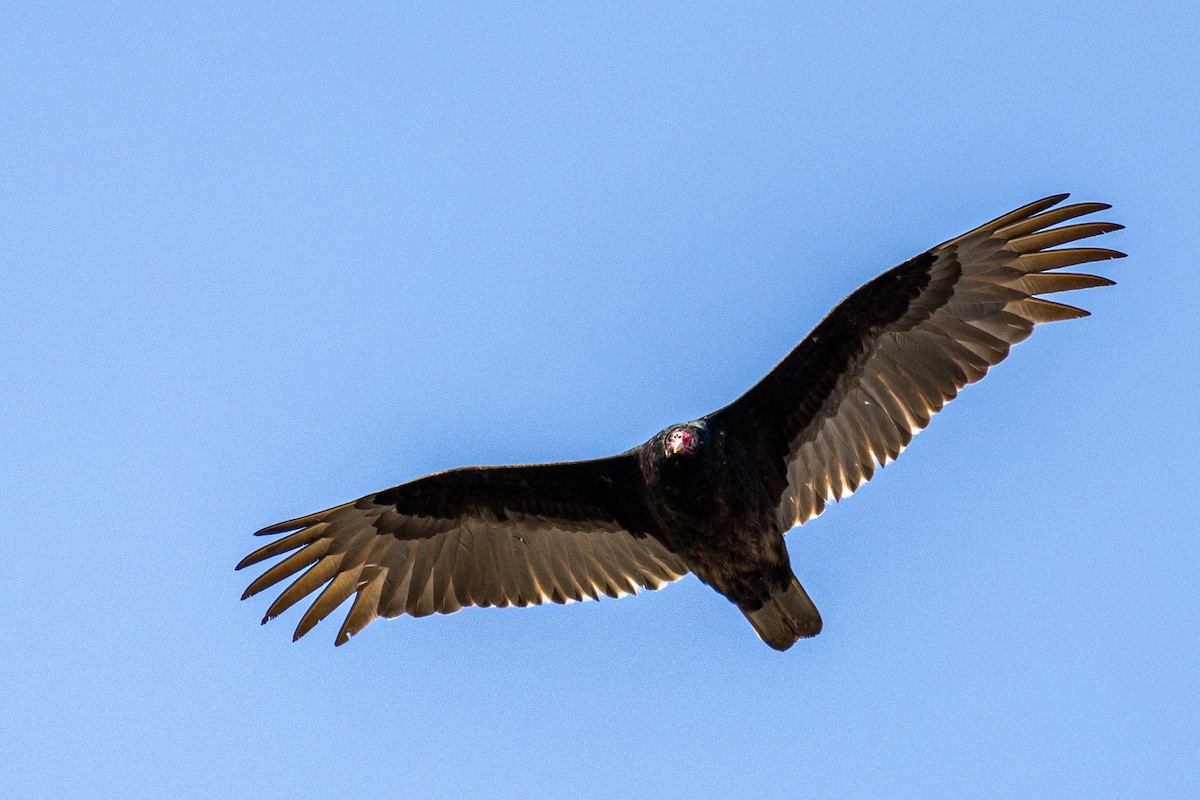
851	395
482	536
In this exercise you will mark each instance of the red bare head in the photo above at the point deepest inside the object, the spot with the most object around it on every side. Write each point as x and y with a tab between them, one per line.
682	441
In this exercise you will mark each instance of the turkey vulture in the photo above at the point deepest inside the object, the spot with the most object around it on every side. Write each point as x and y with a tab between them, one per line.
713	497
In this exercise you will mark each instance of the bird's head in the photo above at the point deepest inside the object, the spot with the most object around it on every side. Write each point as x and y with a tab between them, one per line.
684	440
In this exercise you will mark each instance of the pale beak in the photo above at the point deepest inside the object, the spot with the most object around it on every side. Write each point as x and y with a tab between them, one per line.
681	442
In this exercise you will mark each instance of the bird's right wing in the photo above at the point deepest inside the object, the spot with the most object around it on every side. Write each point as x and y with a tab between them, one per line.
483	536
851	395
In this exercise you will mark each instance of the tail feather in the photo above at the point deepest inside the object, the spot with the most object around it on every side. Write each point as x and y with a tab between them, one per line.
787	615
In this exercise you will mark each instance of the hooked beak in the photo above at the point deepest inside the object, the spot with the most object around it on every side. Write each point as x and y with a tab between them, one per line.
681	442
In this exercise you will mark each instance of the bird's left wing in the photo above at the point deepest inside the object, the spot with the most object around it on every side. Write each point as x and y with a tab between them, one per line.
851	395
483	536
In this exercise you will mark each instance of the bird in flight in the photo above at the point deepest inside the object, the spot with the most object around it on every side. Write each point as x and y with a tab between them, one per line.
715	496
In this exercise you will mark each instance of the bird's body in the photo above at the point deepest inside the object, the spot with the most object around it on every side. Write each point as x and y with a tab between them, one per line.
715	496
715	513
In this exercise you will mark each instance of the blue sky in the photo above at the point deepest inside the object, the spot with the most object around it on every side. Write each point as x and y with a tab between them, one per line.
260	259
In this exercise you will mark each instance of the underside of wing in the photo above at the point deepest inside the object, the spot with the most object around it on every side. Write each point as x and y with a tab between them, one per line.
851	396
481	536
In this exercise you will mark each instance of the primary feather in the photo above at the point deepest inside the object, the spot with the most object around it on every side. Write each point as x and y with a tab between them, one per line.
713	497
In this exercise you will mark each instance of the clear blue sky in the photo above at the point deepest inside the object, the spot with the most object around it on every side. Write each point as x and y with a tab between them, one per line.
260	259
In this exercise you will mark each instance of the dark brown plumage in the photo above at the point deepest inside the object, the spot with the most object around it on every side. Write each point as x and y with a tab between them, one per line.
715	496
